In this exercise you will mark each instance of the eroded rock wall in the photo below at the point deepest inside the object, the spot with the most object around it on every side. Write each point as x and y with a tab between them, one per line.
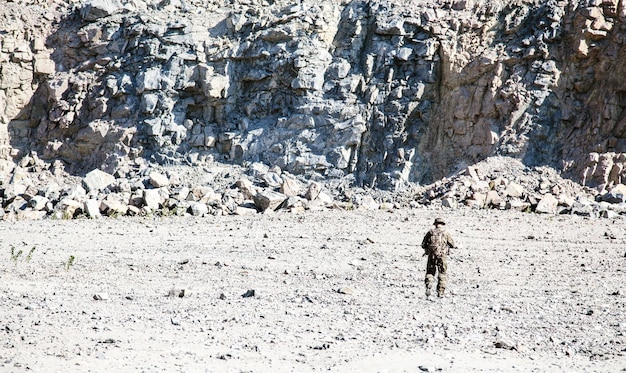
384	93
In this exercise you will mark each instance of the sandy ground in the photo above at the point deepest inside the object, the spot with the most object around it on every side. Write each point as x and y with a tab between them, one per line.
333	291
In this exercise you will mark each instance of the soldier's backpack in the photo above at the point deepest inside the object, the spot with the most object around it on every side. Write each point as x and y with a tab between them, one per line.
438	244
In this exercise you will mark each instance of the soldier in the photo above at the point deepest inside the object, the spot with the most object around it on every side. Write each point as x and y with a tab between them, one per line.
437	244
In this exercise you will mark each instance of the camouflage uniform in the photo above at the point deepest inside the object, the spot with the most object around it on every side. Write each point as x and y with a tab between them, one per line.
437	258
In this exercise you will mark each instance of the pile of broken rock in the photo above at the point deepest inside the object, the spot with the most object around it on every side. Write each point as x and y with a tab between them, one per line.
505	183
36	190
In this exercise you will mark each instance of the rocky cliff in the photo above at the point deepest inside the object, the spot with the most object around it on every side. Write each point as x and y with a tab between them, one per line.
376	93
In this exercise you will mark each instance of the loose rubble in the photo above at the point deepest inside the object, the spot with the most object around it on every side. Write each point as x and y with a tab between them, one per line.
496	183
507	184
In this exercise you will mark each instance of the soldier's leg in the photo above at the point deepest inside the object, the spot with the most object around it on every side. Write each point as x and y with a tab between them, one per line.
431	269
442	267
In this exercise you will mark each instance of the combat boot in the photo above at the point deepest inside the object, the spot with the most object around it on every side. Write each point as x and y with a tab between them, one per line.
429	281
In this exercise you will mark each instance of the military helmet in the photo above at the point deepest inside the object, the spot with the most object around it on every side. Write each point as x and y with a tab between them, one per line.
439	221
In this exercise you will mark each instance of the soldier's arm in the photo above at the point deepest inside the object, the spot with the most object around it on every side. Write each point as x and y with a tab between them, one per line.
425	240
450	241
425	243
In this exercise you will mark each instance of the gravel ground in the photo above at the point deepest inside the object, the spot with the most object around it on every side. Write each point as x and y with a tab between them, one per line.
333	291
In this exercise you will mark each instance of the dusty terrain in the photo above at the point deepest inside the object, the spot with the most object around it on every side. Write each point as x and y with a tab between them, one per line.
333	291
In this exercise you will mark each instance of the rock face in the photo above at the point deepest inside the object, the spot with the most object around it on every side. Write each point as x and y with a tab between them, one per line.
378	93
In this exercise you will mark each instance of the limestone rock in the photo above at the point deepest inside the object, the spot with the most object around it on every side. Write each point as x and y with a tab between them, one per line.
517	204
313	191
92	208
617	194
328	199
366	203
30	215
449	202
97	180
152	198
38	203
478	200
493	199
199	209
245	210
268	199
101	296
113	205
158	180
514	190
44	66
69	208
95	9
290	187
547	205
247	188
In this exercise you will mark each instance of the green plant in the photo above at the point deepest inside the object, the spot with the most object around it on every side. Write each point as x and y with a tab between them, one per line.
167	212
30	254
115	214
70	262
15	255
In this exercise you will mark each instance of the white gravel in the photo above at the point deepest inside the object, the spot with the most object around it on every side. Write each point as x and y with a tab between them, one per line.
526	293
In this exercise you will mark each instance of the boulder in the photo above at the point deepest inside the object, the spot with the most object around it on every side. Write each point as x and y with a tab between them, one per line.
245	210
246	187
30	192
69	207
113	205
547	204
514	190
97	180
96	9
293	204
152	198
477	200
480	186
181	193
158	180
290	187
38	203
44	66
327	199
268	199
617	194
493	199
516	204
92	208
18	204
366	203
313	191
449	202
30	215
208	195
199	209
76	192
14	189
